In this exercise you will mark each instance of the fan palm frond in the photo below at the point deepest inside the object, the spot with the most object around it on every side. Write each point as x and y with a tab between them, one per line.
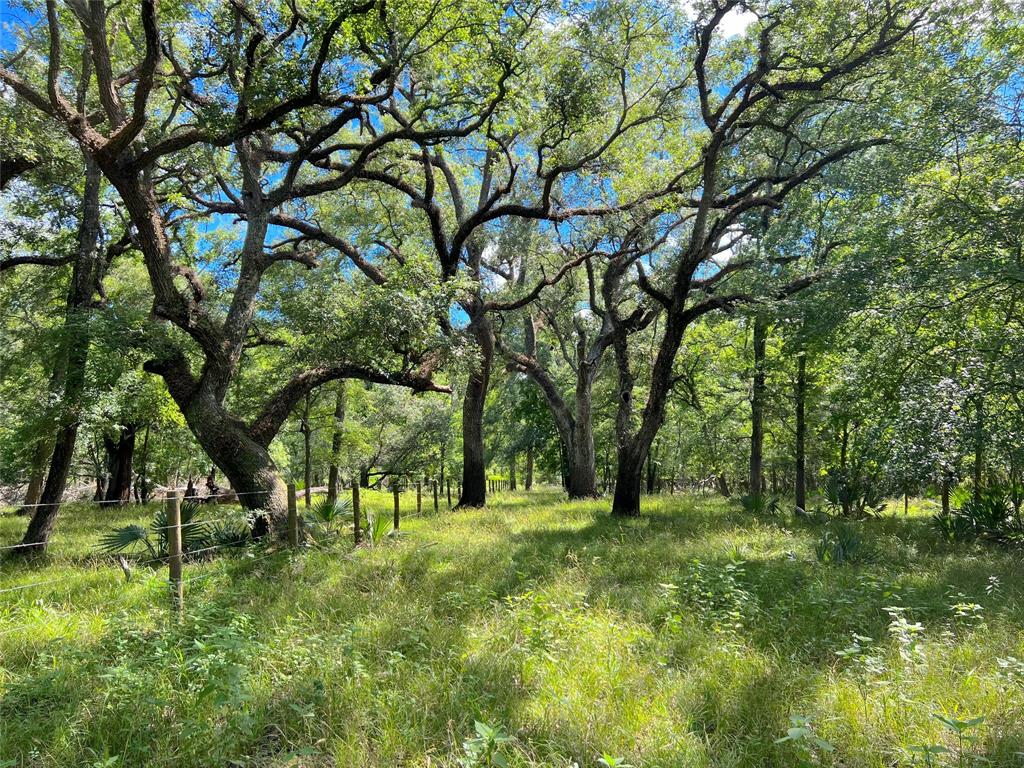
378	526
327	512
121	539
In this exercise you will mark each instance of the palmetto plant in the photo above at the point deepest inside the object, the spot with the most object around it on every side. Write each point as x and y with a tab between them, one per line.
196	534
761	504
989	515
840	544
378	526
852	495
326	517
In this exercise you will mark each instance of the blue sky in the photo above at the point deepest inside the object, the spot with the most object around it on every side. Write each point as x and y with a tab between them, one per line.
12	15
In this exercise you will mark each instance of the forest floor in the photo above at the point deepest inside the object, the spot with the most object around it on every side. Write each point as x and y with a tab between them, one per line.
689	637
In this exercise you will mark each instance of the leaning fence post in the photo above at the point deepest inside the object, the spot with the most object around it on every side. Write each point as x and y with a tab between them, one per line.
435	496
293	518
357	534
174	551
394	492
419	497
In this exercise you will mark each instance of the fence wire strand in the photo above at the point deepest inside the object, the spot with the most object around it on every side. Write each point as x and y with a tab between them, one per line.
132	564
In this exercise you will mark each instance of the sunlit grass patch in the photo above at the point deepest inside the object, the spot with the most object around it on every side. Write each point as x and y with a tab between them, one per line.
690	637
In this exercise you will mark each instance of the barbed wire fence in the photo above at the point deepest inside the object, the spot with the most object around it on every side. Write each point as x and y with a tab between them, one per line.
178	557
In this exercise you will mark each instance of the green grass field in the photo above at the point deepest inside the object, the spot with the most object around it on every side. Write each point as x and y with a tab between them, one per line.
689	637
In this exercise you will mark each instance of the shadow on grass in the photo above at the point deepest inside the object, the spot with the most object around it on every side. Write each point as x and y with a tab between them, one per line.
373	653
809	608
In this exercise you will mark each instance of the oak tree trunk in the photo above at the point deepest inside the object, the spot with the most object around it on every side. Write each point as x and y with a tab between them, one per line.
70	369
754	485
634	444
474	465
723	485
582	480
244	460
307	467
101	488
336	439
37	475
120	456
529	467
801	432
143	476
628	480
979	447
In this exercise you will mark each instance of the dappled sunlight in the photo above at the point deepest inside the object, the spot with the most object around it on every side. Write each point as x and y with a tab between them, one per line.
688	637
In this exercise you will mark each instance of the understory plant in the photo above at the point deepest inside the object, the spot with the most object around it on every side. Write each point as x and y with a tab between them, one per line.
716	594
805	741
378	526
988	515
483	749
853	495
327	518
761	504
197	534
840	543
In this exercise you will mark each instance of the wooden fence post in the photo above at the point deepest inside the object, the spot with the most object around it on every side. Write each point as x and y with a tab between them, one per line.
174	552
293	518
419	497
395	490
357	533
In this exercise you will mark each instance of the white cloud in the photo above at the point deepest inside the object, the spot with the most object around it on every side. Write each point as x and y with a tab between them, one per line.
734	23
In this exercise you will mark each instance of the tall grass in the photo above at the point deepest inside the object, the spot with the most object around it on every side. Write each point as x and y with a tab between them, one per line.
690	637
